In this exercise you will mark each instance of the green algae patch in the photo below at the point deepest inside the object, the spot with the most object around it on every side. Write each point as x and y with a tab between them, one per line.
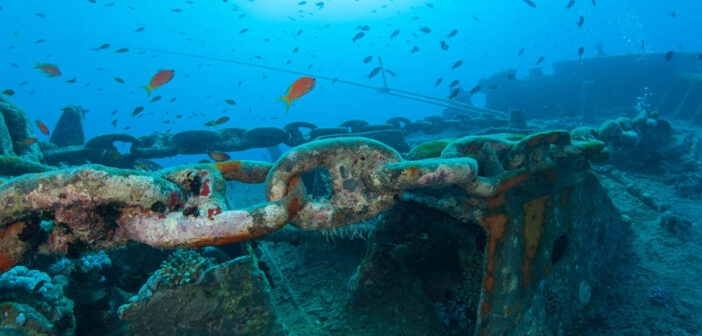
431	149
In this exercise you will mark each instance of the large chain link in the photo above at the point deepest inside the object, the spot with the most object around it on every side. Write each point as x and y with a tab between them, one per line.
185	206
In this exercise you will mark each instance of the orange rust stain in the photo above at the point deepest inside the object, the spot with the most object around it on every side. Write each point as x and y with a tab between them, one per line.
535	140
496	201
293	207
213	241
228	168
489	283
485	308
533	226
6	262
512	182
291	184
12	230
496	229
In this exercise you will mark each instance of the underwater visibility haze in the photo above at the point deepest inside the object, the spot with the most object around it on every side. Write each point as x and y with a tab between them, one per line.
350	167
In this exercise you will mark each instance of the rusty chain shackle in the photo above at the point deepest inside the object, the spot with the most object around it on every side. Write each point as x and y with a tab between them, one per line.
185	206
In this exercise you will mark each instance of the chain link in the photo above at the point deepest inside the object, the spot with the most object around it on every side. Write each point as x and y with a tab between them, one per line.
185	206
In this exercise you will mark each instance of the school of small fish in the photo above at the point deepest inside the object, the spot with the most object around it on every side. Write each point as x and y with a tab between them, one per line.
372	36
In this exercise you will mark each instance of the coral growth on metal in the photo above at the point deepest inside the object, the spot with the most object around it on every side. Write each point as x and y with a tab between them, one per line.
99	207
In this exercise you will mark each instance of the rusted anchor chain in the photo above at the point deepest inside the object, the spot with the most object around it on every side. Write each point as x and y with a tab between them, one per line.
367	178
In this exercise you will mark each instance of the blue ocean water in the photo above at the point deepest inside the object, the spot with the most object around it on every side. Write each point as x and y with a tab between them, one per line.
489	36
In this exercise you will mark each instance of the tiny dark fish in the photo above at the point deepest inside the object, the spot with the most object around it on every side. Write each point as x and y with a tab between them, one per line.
176	10
674	15
295	50
118	80
521	51
72	80
669	56
531	4
37	287
155	99
299	32
438	81
121	50
456	65
581	50
243	30
425	30
395	33
230	101
302	3
364	28
453	33
594	2
475	89
9	92
390	72
39	41
454	93
139	29
319	5
104	46
367	59
114	123
137	110
570	4
444	46
454	83
373	72
541	59
358	36
41	15
580	22
172	100
643	44
511	76
113	112
414	49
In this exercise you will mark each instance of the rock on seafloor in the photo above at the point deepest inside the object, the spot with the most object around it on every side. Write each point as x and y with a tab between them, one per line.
228	299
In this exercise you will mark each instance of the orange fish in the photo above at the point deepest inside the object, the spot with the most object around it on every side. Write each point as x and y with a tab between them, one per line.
218	156
204	161
28	142
50	69
222	120
299	88
44	130
162	77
